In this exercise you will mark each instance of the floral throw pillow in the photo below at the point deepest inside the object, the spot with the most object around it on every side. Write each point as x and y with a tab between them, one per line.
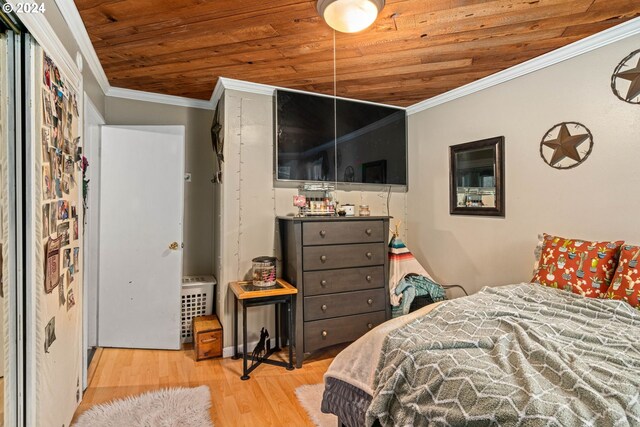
626	282
578	266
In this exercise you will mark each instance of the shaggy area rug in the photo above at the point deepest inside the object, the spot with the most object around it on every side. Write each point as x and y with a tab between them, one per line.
310	397
171	407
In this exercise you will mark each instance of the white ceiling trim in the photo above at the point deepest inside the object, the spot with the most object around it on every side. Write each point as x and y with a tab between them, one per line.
138	95
598	40
71	15
264	89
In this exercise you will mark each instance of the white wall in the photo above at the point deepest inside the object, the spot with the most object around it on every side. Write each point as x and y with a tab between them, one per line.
593	201
248	202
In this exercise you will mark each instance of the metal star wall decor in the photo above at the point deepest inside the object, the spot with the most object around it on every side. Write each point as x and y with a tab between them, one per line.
625	81
566	145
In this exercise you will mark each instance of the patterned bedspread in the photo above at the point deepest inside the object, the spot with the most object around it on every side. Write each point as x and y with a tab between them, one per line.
515	355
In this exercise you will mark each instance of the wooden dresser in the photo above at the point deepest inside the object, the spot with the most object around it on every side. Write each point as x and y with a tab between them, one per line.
340	268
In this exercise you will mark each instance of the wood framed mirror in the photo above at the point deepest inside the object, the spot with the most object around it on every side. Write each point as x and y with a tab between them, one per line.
476	178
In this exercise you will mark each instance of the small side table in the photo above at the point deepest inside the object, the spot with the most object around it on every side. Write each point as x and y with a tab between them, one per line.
254	296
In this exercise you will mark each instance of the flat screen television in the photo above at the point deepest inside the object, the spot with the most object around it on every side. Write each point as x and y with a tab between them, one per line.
361	143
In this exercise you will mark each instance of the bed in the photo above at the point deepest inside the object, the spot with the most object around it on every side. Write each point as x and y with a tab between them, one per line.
512	355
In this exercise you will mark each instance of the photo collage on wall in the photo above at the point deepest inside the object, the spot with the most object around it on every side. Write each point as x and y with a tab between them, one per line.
61	161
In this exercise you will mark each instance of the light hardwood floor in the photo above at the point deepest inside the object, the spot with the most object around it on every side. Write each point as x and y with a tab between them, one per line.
267	399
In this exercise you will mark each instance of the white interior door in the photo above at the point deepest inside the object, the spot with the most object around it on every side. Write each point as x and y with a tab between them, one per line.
141	214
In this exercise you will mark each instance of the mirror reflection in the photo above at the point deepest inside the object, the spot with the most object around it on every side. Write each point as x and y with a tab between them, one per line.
476	180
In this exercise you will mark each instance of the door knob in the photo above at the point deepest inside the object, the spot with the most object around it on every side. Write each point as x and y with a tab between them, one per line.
368	231
323	258
370	325
173	246
323	283
368	278
369	301
324	307
324	334
369	255
323	233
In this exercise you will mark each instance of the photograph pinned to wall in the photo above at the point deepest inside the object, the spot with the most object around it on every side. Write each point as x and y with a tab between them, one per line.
53	222
69	276
71	299
53	161
63	210
61	292
46	142
47	112
45	220
75	228
74	211
72	270
58	187
66	184
76	256
52	264
66	258
47	192
49	334
46	72
68	164
63	233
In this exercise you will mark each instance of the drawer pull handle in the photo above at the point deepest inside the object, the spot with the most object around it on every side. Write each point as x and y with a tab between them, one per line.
324	334
368	278
323	258
209	340
323	233
324	307
323	283
370	325
368	231
370	301
369	255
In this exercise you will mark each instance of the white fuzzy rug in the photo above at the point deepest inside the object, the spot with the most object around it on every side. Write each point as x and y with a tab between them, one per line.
171	407
310	397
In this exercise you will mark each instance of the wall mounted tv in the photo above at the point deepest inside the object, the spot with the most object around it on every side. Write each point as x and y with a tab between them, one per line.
365	144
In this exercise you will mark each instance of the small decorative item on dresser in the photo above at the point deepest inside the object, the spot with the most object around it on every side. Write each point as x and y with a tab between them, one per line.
207	337
350	210
264	271
364	210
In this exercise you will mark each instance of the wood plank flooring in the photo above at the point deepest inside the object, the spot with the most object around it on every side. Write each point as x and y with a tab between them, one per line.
267	399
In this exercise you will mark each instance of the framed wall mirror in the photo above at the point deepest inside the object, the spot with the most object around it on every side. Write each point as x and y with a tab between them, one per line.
476	178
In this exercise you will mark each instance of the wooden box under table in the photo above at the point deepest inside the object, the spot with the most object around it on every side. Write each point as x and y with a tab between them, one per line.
207	337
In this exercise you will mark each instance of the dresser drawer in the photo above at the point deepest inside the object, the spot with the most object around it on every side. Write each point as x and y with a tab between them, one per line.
338	232
343	280
344	304
323	333
343	256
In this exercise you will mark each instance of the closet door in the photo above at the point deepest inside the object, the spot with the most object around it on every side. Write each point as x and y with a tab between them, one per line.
140	258
9	117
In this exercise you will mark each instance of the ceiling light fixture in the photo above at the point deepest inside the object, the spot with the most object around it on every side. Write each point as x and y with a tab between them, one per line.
349	16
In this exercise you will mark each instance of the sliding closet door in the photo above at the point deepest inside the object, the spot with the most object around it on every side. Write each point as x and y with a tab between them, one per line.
9	117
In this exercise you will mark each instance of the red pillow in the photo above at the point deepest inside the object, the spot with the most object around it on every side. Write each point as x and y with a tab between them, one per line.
626	282
578	266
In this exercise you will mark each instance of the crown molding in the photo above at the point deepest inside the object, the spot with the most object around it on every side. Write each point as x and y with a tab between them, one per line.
138	95
596	41
47	38
263	89
71	15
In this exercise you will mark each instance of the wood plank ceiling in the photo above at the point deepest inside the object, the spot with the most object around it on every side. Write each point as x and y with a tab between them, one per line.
416	49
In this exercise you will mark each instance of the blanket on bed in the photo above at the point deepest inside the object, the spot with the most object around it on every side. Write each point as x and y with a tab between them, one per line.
513	355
